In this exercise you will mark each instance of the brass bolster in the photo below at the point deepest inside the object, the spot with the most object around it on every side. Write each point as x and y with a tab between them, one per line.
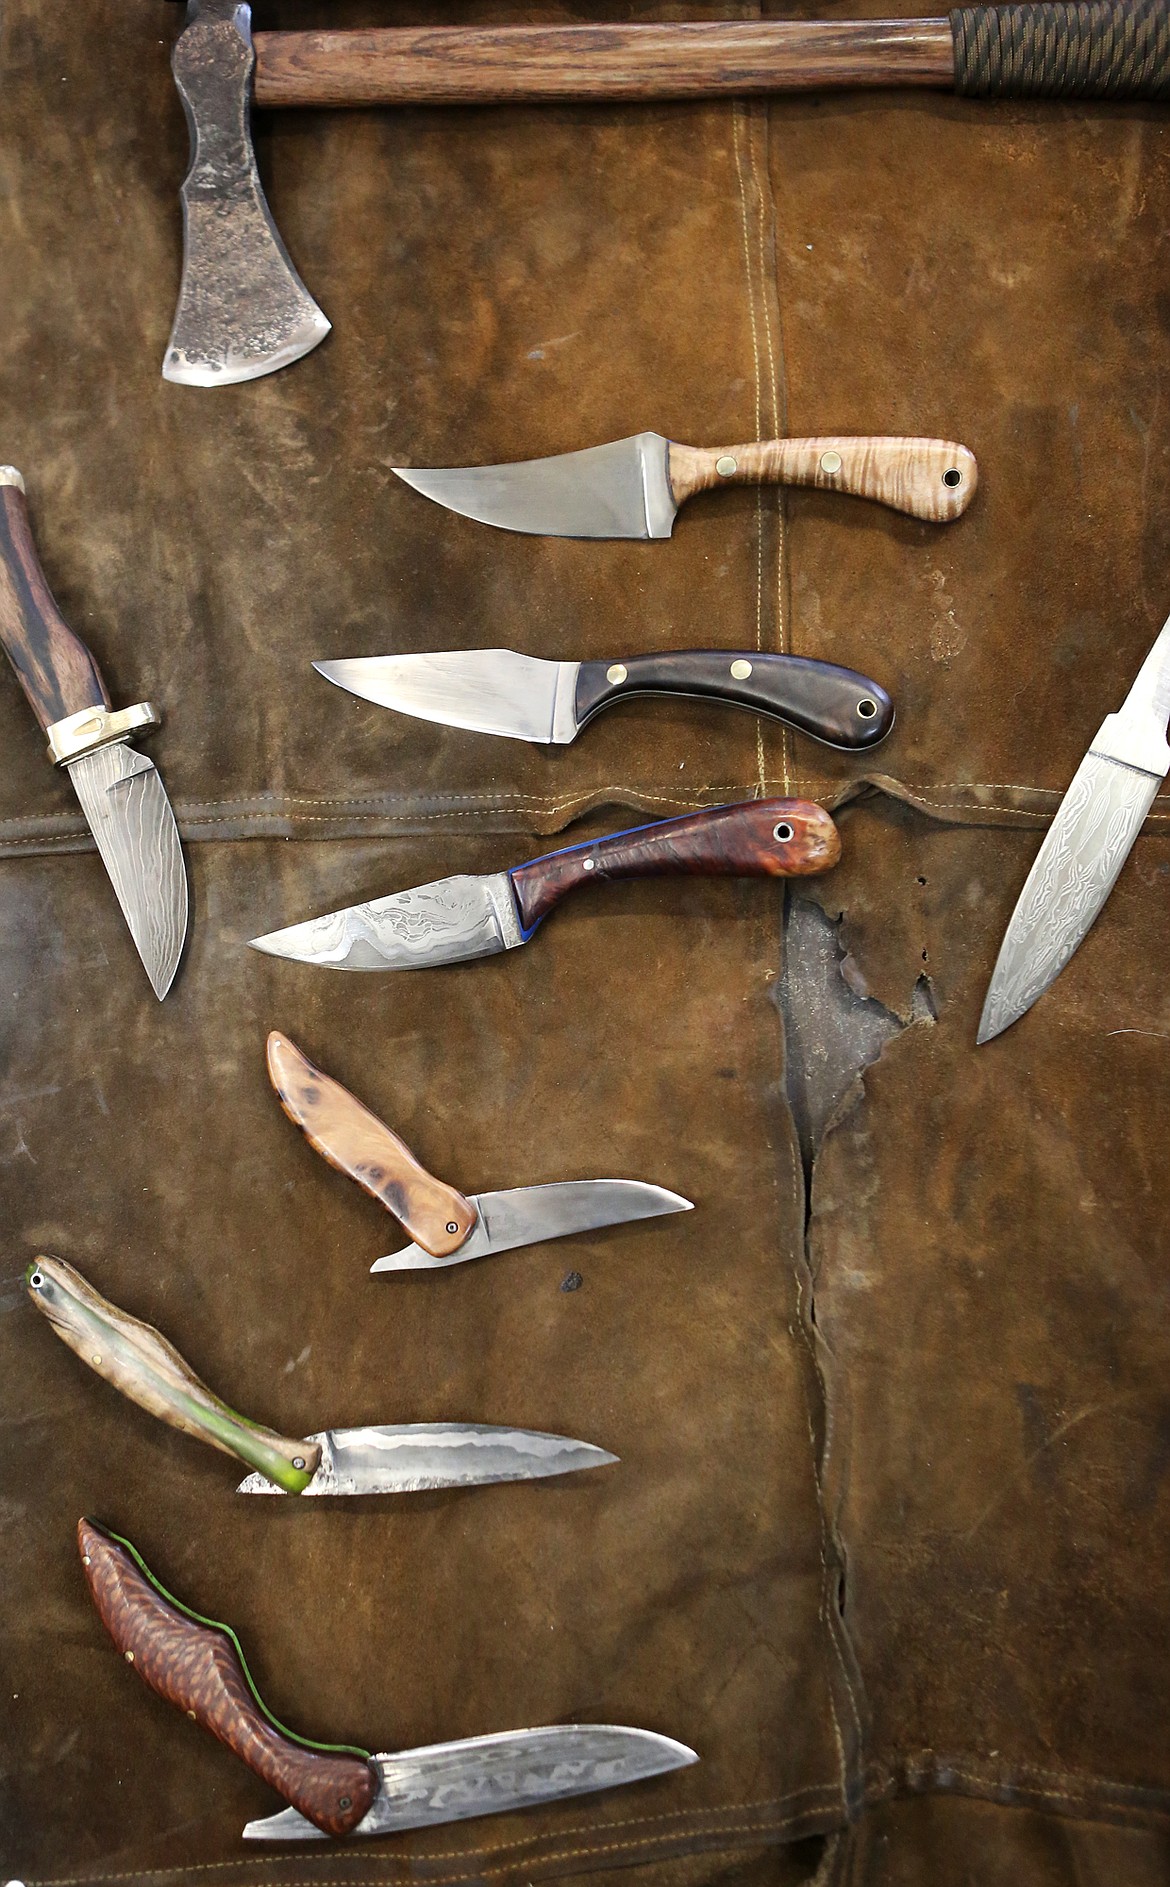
97	727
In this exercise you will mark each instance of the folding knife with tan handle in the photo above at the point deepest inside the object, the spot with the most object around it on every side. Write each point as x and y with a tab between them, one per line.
388	1460
449	1228
337	1789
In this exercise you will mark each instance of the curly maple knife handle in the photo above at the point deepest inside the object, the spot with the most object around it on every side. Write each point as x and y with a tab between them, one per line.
761	838
56	670
356	1142
149	1370
931	479
198	1666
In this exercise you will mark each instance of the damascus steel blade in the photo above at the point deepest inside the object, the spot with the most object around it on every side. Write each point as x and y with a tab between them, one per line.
490	691
530	1214
1075	870
616	490
416	1456
130	817
450	921
488	1775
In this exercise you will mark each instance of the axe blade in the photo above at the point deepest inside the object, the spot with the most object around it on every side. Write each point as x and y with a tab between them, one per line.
243	309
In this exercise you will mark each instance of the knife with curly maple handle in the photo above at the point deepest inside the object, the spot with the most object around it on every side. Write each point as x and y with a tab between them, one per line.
337	1789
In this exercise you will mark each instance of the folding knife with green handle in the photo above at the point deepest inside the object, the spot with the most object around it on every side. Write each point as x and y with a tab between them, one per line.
333	1789
390	1460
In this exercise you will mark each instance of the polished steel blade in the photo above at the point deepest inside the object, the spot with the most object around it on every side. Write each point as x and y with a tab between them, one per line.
130	817
529	1214
1075	870
449	921
491	691
616	490
417	1455
488	1775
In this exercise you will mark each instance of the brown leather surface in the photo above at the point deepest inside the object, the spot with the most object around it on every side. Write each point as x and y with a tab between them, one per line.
888	1536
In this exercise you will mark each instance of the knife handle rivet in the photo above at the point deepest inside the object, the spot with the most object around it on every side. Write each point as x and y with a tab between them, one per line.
740	670
96	1361
452	1227
830	463
586	864
85	1559
36	1280
726	465
344	1801
783	832
129	1657
952	477
298	1461
192	1716
616	673
867	707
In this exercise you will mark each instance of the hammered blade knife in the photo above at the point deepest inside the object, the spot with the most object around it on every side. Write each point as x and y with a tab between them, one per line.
634	487
1086	845
448	1227
400	1459
497	691
122	797
456	919
337	1789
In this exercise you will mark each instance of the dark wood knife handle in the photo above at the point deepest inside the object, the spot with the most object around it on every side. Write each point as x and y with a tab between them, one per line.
760	838
53	666
835	705
356	1142
198	1666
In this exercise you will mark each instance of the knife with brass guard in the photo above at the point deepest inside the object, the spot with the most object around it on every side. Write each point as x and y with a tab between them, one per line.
633	487
456	919
449	1229
399	1459
497	691
336	1789
122	797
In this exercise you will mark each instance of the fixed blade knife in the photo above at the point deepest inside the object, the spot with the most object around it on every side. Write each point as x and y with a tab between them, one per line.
339	1790
634	487
457	919
1086	845
497	691
449	1228
401	1459
121	794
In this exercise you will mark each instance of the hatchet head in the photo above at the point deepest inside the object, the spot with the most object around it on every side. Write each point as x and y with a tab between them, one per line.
243	309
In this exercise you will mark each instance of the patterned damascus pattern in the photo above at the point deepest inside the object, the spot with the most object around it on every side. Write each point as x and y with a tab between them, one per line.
1075	870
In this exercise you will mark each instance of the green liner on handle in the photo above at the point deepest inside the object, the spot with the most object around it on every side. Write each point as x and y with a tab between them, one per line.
149	1370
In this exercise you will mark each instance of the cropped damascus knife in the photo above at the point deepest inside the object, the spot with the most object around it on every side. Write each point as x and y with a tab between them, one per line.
634	487
1086	845
496	691
456	919
449	1228
399	1460
336	1789
122	797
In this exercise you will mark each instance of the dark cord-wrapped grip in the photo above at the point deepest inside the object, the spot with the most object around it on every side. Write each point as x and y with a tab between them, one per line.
1053	51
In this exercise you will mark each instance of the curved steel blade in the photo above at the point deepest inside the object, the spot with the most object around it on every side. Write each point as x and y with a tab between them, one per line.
417	1455
490	691
616	490
488	1775
449	921
1075	870
130	817
529	1214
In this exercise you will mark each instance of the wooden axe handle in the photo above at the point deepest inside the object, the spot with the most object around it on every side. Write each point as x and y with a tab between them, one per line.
1040	49
444	65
